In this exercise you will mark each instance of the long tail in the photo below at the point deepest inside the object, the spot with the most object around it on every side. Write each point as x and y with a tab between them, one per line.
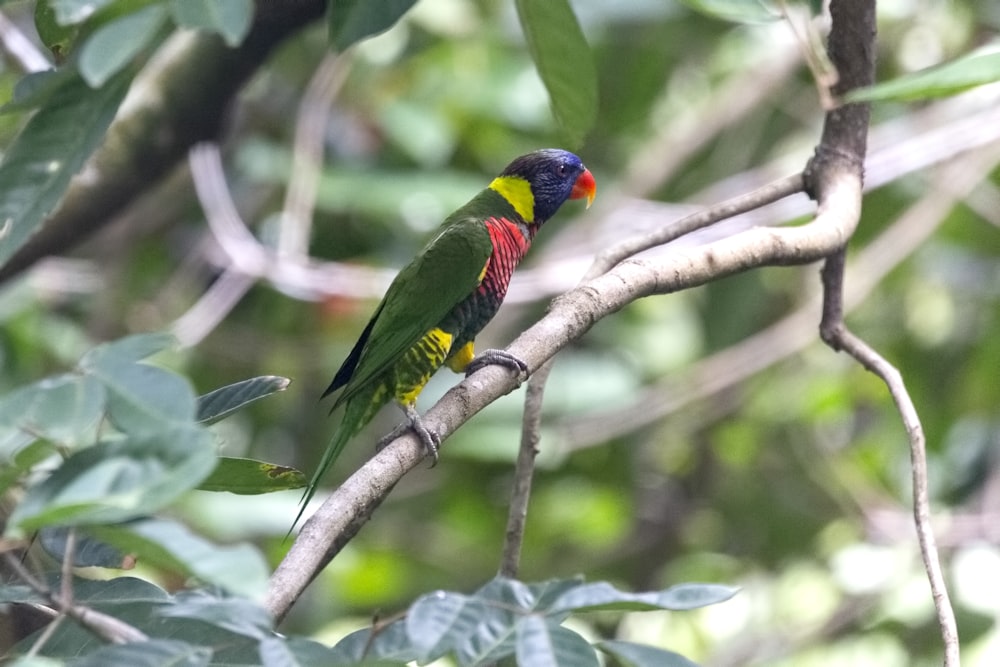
358	412
337	443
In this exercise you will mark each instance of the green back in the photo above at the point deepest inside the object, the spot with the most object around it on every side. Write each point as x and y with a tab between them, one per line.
444	273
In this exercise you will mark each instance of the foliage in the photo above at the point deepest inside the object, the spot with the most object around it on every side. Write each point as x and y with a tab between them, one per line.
791	483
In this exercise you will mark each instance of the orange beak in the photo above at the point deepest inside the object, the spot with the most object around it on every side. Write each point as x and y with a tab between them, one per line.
585	186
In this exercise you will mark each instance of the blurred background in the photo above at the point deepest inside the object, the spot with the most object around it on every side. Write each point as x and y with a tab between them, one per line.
702	436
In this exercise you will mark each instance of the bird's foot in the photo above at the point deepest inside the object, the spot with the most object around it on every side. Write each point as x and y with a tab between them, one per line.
499	358
430	439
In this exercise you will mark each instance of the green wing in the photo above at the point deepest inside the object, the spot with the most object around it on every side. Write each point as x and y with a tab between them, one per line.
445	272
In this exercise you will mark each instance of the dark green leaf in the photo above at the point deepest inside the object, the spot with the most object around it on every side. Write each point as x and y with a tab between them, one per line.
56	37
249	477
87	551
737	11
602	596
639	655
152	653
974	69
544	644
229	18
390	646
37	167
299	652
564	62
224	401
19	593
119	480
351	21
168	544
118	591
35	89
238	615
113	46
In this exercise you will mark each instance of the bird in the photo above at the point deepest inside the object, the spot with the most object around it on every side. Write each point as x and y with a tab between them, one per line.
438	303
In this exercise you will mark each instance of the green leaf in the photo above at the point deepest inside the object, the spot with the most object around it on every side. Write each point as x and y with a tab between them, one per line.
478	628
229	18
391	645
56	36
541	643
87	551
564	62
34	90
141	398
238	615
224	401
23	461
974	69
19	593
113	46
170	545
250	477
604	596
130	348
299	652
639	655
351	21
152	653
65	409
119	480
737	11
51	148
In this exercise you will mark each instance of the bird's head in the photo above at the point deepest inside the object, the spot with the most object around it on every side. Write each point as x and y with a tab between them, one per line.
538	183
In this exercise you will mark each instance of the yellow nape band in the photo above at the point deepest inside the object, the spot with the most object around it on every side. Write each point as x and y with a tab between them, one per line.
517	191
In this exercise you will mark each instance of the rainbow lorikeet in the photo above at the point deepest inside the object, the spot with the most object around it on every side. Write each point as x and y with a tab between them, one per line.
436	305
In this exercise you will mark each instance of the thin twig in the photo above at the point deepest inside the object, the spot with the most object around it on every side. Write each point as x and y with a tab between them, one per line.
532	418
524	471
835	333
760	197
105	626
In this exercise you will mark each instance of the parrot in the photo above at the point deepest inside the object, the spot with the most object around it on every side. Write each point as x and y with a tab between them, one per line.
438	303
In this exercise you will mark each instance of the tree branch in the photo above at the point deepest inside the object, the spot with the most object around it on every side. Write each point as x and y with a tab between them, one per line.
571	315
179	99
843	146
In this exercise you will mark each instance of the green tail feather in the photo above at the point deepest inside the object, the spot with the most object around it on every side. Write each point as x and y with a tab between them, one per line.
357	413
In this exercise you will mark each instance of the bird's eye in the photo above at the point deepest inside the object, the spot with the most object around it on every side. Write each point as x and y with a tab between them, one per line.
562	169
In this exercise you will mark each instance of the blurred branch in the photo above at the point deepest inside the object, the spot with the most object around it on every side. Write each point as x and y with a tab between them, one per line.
307	157
178	99
106	627
20	49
